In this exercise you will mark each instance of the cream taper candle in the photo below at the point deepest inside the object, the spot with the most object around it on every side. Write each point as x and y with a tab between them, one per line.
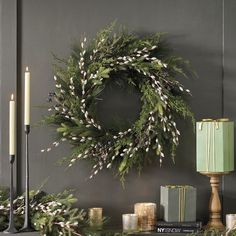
27	96
12	126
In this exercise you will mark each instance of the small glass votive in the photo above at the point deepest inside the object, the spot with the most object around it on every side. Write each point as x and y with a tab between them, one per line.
95	217
146	213
130	222
230	221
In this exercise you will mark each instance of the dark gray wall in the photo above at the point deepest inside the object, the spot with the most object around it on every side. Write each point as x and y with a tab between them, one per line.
195	28
229	93
8	82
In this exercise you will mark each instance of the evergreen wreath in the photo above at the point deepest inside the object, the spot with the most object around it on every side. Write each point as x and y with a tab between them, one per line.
143	62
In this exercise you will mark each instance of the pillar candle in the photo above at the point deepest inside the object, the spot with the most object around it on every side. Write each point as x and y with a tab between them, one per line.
27	96
230	221
12	126
130	222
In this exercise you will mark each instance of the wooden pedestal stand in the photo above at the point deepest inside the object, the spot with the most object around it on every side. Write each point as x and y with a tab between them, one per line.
215	221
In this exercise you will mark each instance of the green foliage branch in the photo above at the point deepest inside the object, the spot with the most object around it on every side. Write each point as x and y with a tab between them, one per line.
214	232
50	214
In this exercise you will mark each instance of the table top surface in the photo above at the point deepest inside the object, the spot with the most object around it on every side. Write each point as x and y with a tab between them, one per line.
137	234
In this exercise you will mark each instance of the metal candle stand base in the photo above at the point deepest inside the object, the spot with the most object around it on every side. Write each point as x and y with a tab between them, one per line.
11	228
27	224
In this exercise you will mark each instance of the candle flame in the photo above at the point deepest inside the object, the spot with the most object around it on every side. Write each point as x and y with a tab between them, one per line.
12	97
27	68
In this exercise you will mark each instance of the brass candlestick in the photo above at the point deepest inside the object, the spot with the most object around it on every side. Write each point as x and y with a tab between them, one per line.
215	221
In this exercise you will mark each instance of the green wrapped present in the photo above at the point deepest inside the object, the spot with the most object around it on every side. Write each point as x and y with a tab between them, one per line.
178	203
215	145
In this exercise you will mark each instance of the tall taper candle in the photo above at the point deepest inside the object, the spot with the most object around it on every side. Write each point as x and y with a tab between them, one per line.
12	150
27	96
12	126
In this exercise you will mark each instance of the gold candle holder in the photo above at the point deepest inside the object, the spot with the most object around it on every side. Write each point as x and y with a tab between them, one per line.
146	213
95	217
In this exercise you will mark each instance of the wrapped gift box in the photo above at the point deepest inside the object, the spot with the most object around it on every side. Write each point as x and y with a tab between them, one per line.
215	145
178	203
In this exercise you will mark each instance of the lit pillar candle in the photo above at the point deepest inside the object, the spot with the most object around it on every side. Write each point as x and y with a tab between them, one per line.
12	126
27	96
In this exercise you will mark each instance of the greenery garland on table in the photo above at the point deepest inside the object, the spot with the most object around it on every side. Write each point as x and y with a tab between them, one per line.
144	64
51	214
213	232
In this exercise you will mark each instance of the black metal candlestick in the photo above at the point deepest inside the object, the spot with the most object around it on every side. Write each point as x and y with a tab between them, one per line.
27	224
11	228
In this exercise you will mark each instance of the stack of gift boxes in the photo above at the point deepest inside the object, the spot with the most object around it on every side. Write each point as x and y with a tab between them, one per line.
178	210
